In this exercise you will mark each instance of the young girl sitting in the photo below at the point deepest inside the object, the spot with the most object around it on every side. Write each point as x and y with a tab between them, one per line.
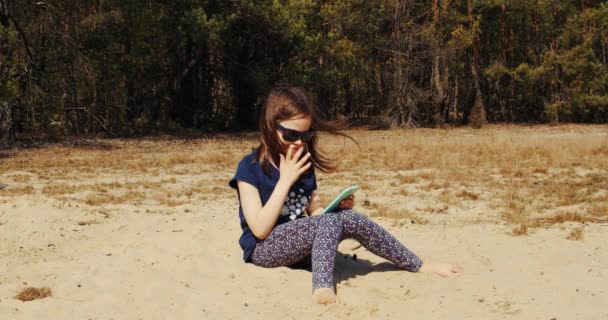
280	209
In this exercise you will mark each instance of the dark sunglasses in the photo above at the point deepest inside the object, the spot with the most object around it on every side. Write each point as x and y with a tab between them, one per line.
295	135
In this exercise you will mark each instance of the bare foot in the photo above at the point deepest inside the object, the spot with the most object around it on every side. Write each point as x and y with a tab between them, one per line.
442	269
324	296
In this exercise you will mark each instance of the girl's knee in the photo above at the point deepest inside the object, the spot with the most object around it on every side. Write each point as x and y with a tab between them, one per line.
351	215
330	219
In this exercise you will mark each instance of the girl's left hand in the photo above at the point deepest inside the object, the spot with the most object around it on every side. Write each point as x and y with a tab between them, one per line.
347	203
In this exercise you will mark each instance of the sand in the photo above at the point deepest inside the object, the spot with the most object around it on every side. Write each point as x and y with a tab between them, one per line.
170	257
188	265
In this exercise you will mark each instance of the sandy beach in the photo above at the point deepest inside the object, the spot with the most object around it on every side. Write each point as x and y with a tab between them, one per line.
148	229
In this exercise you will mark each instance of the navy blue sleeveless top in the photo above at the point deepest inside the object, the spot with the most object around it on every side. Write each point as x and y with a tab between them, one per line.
296	202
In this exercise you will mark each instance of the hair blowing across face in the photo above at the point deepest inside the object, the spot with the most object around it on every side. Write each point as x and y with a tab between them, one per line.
283	102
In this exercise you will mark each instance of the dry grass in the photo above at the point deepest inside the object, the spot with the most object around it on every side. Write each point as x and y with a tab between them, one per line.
21	178
569	216
132	197
438	209
576	234
598	210
395	213
31	293
17	191
526	221
407	179
59	189
522	230
535	176
436	185
447	198
536	147
467	195
87	223
168	199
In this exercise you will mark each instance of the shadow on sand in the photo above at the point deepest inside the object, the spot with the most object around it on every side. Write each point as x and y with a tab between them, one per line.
349	267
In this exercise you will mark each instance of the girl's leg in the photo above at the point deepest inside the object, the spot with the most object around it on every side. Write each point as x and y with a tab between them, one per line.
286	244
377	240
291	242
324	248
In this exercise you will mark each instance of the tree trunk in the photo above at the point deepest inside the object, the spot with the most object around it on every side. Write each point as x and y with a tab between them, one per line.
554	44
7	136
221	99
4	16
440	84
348	97
584	6
453	115
604	52
381	96
477	118
439	74
503	31
401	103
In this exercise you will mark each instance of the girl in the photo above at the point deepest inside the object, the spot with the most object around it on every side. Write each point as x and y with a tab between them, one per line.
280	208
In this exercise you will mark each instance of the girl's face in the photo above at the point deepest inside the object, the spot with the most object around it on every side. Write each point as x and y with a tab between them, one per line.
297	123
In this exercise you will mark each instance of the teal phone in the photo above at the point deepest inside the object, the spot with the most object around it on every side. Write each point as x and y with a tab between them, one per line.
343	195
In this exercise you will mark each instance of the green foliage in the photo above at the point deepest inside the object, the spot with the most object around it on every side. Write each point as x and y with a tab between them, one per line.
8	64
131	67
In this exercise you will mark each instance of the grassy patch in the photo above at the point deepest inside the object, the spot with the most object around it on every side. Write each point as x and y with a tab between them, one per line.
521	230
576	234
395	213
534	176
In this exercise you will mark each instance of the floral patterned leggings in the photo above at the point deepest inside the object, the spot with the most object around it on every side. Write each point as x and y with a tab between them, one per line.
291	242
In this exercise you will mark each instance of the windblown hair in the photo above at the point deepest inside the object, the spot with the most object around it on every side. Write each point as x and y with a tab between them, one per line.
283	102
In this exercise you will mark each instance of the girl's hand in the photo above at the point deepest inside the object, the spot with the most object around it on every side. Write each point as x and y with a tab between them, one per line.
347	203
442	269
291	166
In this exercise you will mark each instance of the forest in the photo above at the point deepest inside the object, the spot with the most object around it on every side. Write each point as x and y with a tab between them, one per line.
139	67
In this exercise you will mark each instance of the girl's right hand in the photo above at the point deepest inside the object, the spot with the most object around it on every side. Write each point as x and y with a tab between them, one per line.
291	166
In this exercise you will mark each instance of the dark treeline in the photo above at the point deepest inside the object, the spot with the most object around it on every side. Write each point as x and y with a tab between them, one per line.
127	67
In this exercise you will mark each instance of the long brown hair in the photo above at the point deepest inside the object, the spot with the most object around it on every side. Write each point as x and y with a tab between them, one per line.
285	101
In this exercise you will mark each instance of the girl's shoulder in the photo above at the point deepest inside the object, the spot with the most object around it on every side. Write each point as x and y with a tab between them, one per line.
251	157
246	170
249	160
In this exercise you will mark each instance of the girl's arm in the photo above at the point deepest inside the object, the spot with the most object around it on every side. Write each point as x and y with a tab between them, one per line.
261	219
